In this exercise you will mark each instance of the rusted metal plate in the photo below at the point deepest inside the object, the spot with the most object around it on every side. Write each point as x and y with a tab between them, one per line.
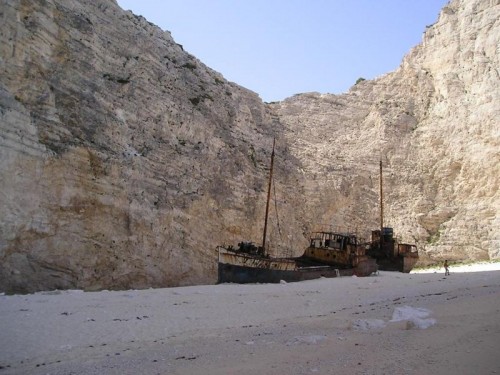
246	260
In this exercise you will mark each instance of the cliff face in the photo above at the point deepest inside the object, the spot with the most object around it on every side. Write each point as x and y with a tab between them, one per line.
124	160
434	123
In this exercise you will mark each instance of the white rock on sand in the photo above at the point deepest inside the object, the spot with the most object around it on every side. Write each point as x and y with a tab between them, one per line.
392	323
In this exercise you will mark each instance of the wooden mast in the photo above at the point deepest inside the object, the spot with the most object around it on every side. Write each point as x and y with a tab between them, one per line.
268	199
381	203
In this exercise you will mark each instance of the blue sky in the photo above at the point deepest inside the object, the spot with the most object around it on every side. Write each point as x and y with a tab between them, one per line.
279	48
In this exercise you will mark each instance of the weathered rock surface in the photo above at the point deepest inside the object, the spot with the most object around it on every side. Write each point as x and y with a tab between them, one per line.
434	122
124	160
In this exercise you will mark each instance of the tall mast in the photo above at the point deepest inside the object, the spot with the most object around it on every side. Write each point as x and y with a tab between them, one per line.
381	202
268	199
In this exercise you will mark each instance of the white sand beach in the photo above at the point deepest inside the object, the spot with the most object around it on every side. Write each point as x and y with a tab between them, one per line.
391	323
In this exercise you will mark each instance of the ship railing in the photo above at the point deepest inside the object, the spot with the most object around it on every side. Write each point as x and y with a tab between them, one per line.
329	228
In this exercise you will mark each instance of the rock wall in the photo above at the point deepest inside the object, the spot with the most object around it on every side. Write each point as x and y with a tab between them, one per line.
434	123
125	160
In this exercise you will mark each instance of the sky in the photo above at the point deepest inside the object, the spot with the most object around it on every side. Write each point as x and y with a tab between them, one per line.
279	48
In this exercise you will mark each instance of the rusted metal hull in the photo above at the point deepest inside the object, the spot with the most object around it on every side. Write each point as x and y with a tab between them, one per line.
392	256
409	263
230	273
255	261
245	268
400	264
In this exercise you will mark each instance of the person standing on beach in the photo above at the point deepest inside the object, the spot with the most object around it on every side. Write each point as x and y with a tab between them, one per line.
446	268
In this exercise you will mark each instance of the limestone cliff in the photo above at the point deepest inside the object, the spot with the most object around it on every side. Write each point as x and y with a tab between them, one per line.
125	160
434	123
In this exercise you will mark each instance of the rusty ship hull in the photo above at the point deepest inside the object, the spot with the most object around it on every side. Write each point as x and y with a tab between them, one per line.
232	273
323	258
391	255
400	264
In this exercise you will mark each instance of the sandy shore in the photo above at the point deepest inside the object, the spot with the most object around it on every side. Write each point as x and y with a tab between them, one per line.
391	323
